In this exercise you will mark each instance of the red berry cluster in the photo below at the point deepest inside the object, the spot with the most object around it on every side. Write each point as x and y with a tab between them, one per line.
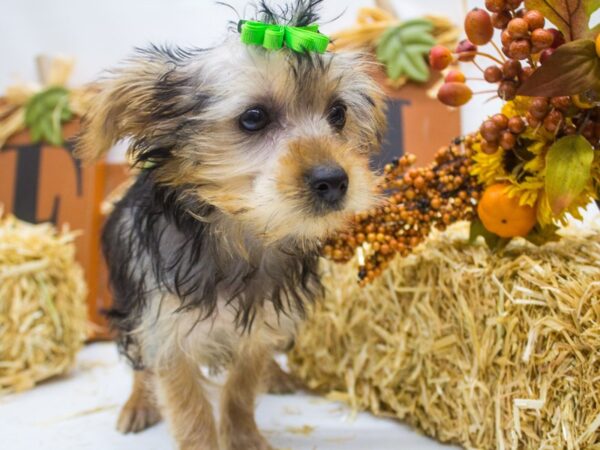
526	45
501	131
523	37
418	200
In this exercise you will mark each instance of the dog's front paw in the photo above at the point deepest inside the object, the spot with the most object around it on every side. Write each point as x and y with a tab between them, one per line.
285	384
280	382
249	442
136	416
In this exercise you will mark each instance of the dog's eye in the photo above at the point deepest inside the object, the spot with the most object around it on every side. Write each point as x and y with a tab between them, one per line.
254	119
337	116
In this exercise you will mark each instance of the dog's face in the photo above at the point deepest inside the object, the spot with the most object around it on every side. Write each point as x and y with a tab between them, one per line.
277	141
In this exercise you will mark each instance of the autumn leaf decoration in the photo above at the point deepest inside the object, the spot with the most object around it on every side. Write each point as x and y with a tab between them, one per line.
403	49
45	113
568	171
574	68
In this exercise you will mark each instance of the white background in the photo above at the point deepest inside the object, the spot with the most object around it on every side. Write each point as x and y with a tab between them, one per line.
99	33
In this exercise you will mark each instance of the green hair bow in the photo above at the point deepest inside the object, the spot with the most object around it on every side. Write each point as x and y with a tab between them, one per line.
273	37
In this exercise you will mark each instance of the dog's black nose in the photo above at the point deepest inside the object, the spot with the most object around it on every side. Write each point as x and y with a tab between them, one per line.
329	184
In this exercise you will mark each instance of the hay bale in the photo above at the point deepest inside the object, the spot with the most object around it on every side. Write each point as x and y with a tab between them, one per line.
487	351
42	304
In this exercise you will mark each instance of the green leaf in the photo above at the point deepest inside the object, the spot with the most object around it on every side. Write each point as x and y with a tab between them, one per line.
492	240
569	16
36	133
394	69
45	113
423	25
46	129
568	171
591	6
403	49
417	69
572	69
389	45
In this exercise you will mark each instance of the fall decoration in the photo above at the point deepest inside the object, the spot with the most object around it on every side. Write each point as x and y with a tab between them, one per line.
43	314
417	201
486	350
503	215
544	150
40	178
543	147
402	46
42	107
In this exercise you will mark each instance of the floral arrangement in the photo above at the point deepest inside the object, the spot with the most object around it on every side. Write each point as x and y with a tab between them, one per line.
528	167
539	158
400	46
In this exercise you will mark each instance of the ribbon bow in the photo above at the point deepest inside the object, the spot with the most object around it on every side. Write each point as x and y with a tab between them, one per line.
273	37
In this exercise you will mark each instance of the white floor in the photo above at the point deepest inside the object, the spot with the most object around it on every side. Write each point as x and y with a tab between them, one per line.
79	412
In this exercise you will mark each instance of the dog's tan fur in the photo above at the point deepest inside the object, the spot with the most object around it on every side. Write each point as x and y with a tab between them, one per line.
260	207
181	391
238	428
141	410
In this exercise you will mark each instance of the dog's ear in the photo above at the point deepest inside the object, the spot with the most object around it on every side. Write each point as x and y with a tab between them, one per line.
144	100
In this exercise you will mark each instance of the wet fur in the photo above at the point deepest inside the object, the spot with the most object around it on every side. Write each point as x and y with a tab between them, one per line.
213	252
156	246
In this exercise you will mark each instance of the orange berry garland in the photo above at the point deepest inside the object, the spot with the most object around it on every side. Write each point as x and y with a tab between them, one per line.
417	200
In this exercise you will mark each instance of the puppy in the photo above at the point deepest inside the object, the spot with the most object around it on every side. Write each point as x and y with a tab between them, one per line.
249	159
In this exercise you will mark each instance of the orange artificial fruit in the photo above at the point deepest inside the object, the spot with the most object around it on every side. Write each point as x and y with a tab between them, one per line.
598	45
503	215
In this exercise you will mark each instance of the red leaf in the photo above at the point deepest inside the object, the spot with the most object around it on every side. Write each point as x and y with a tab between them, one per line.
572	69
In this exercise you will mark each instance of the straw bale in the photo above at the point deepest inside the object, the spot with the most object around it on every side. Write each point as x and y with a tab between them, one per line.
42	304
490	351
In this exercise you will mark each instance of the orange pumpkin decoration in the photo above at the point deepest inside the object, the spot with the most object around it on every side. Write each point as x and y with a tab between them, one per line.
503	215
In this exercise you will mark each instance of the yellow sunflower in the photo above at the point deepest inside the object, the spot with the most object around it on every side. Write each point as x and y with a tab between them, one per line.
487	168
527	190
517	107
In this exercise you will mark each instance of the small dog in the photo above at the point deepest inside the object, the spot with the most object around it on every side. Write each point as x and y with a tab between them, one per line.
249	159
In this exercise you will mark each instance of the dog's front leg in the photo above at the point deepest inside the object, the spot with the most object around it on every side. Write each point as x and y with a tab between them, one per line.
238	427
186	407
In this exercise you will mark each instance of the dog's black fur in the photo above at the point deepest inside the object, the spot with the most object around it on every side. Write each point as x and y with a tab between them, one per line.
154	243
